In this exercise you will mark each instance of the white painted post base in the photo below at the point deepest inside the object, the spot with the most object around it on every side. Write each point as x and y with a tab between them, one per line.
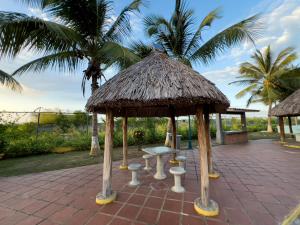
160	174
211	210
101	200
95	147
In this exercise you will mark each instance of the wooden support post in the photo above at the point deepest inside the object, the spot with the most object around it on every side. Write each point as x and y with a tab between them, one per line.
203	158
290	125
244	121
204	205
219	134
211	172
174	137
107	195
281	128
124	165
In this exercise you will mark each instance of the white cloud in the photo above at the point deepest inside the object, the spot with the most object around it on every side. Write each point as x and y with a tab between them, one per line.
37	12
281	29
223	76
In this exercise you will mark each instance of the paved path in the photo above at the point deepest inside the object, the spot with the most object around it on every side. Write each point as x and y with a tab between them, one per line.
259	185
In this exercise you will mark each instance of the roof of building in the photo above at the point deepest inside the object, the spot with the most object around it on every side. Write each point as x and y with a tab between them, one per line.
289	106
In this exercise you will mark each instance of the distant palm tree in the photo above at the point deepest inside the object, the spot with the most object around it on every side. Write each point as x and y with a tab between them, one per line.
82	30
180	40
8	81
270	78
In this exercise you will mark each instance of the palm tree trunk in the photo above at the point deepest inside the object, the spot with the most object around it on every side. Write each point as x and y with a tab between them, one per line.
169	130
95	147
270	129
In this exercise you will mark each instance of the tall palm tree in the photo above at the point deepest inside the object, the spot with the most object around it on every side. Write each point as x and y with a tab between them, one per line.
77	32
182	40
8	81
269	78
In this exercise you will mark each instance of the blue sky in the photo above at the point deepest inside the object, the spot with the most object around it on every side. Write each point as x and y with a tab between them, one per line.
58	90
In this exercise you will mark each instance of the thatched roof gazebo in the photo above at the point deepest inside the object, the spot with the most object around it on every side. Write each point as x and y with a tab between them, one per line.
289	107
158	86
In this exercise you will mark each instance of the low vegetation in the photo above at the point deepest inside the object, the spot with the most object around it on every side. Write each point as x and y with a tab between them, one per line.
61	133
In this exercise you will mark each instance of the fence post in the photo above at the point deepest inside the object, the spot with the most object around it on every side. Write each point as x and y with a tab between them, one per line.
38	124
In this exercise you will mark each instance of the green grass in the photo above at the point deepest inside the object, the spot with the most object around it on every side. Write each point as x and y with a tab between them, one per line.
265	135
48	162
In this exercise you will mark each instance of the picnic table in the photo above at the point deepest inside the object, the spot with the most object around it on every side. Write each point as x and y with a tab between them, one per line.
159	152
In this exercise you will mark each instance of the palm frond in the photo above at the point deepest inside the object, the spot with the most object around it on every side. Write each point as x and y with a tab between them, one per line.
287	52
250	71
157	24
115	54
206	22
19	31
181	23
36	3
8	81
287	60
254	97
121	26
64	61
247	29
244	82
260	61
140	49
268	59
246	90
84	16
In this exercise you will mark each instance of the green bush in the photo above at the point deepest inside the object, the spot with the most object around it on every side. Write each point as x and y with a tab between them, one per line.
20	139
24	147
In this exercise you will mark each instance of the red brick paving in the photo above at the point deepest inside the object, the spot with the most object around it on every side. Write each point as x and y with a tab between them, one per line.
259	185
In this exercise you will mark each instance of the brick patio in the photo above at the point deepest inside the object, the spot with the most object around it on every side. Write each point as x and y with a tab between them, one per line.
259	185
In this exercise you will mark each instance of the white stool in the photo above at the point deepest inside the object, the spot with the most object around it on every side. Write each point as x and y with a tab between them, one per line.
134	167
147	166
177	172
181	160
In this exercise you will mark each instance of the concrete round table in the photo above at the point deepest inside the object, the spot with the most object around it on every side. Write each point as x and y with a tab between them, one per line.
159	152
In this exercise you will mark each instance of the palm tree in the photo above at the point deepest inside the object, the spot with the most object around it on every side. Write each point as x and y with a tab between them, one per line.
180	40
269	79
8	81
77	32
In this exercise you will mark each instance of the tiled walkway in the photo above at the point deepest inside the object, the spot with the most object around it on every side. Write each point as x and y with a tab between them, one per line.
259	185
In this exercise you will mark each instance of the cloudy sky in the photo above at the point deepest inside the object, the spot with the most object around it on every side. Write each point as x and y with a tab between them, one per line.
53	89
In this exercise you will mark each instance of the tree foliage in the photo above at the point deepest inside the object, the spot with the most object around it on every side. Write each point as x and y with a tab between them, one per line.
269	78
182	38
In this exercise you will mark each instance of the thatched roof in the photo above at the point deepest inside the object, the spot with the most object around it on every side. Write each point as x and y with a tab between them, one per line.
289	106
157	86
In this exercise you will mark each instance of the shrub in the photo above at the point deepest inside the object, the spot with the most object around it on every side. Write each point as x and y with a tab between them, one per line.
24	147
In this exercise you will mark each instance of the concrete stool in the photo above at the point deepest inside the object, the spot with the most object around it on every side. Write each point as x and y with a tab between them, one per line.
181	160
134	167
177	172
147	166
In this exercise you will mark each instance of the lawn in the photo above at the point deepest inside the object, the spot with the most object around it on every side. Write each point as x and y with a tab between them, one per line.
265	135
48	162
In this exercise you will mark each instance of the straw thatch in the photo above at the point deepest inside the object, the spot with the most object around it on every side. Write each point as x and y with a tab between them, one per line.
289	106
157	86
